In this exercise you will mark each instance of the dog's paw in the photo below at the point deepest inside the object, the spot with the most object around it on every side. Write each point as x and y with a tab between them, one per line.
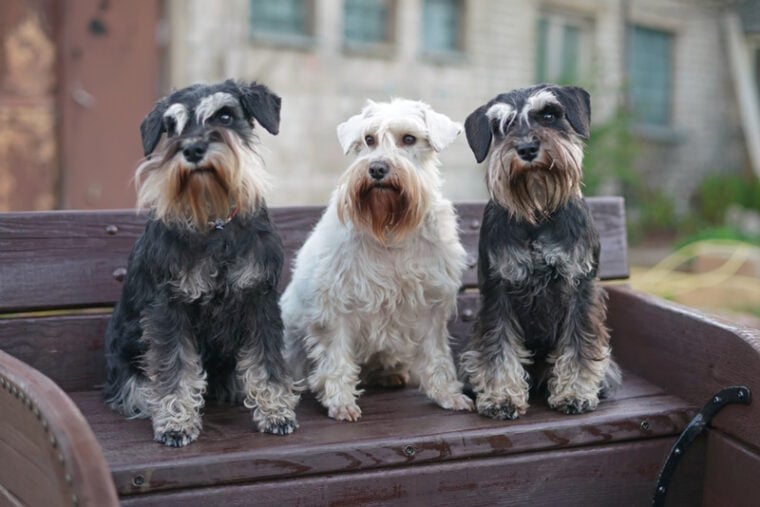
574	406
278	426
177	438
457	402
349	412
502	410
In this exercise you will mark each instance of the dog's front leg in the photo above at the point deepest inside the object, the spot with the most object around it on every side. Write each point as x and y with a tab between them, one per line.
435	366
495	356
582	358
334	376
174	367
267	385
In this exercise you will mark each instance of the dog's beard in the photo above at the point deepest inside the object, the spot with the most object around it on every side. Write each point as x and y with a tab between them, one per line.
534	190
193	196
389	209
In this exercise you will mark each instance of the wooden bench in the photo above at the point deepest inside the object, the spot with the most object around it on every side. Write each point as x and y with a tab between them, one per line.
60	275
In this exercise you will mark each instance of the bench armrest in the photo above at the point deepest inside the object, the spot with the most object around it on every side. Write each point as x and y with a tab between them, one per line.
48	453
689	354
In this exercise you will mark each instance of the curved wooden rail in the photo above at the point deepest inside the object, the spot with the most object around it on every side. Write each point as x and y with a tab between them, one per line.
48	454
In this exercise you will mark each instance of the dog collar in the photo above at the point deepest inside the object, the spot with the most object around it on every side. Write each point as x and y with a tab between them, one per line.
219	223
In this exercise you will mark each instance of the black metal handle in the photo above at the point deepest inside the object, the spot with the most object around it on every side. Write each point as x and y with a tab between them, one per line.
729	395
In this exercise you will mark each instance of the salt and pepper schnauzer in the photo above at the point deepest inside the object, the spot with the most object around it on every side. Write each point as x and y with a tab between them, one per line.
538	257
199	311
377	279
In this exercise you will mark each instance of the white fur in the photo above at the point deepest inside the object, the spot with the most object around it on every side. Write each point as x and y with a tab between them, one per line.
353	299
213	103
505	113
178	112
438	129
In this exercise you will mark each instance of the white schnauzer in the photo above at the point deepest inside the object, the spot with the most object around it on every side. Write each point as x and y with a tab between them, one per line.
376	282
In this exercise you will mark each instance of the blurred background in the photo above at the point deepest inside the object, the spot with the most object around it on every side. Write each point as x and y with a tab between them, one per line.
674	85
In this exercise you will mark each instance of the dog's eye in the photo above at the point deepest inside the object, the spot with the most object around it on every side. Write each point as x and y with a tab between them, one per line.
409	140
549	116
225	118
169	125
370	140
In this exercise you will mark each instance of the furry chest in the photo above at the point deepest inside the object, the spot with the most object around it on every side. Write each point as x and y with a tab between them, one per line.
208	277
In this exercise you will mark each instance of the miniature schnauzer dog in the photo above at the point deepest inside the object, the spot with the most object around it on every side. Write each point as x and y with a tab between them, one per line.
537	258
377	279
199	312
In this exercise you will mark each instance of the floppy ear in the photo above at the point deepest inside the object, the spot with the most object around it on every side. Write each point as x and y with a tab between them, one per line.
478	130
261	103
442	131
577	104
349	132
152	127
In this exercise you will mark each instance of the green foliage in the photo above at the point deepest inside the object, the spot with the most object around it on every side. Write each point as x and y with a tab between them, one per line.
718	192
719	233
611	154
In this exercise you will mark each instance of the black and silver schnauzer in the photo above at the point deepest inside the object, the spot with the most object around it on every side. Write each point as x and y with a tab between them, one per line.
542	314
199	312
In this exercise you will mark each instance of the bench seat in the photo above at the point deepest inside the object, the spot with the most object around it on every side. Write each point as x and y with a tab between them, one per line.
61	272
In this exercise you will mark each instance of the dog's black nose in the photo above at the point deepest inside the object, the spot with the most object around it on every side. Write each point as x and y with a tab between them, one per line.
194	152
528	151
378	169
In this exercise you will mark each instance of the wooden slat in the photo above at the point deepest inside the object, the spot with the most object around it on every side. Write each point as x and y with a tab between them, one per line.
229	450
48	454
602	475
67	259
69	348
731	472
693	355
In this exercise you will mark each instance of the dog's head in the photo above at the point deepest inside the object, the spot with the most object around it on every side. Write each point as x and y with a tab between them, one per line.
535	138
389	186
207	165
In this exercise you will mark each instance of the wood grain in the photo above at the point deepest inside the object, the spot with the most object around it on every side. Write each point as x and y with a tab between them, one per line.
48	454
602	475
68	259
690	354
393	421
731	472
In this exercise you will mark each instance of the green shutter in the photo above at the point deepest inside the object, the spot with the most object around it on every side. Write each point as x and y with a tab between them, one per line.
571	39
279	17
542	54
441	26
365	21
650	75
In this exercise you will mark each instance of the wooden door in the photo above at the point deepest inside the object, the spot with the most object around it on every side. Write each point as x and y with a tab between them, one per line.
109	79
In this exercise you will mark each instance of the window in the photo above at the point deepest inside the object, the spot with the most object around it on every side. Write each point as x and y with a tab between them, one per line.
283	20
650	75
368	23
564	48
442	27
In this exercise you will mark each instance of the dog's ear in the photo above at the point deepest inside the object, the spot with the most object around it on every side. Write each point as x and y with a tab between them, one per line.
577	104
478	131
152	127
349	132
442	130
261	103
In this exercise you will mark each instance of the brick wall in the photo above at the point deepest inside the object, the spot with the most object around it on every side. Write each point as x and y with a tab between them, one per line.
323	85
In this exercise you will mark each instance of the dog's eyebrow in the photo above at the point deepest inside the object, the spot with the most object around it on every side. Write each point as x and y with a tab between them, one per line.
179	113
213	103
537	102
503	112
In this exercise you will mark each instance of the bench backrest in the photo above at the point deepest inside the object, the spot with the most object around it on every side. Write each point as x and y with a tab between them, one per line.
61	272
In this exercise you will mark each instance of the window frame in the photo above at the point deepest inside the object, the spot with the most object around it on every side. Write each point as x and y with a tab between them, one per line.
455	55
557	21
385	48
307	40
646	123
